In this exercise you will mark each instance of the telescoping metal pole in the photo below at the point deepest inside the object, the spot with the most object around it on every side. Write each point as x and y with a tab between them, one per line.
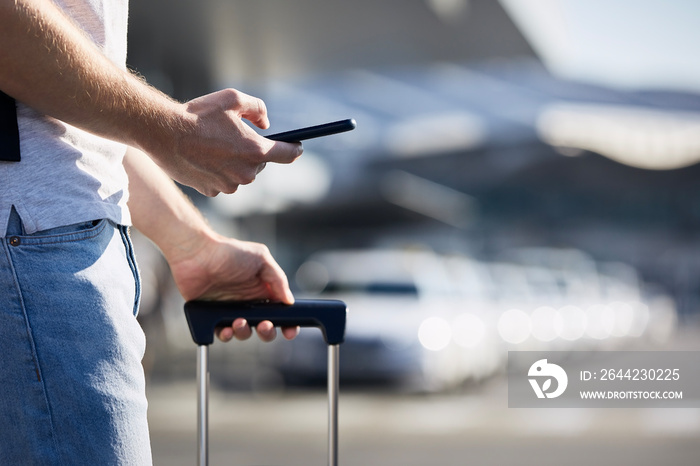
333	378
202	405
204	316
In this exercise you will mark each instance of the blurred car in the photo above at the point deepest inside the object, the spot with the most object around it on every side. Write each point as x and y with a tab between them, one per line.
568	301
408	322
431	322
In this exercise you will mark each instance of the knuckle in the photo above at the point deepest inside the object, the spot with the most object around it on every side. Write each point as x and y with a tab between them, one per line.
230	187
232	96
209	192
233	93
249	175
263	250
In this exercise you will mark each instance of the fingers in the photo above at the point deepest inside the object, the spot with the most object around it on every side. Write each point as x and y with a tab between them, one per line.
242	331
244	174
239	329
265	330
259	153
290	333
252	109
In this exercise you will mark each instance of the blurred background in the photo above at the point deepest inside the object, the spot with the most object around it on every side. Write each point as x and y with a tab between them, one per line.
523	177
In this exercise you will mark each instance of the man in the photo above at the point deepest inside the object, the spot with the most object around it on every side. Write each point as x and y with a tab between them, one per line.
71	383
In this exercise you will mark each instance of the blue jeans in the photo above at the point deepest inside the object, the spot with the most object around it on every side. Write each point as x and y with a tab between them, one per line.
72	388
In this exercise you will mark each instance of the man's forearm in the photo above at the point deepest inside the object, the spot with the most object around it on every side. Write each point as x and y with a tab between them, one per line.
48	63
204	264
160	210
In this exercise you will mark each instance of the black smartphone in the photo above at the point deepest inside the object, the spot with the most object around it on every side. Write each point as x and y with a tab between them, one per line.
298	135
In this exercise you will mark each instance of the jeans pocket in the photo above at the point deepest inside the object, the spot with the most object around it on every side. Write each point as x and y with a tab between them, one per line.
68	233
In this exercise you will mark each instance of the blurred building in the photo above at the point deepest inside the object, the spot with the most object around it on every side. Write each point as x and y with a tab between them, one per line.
465	142
193	47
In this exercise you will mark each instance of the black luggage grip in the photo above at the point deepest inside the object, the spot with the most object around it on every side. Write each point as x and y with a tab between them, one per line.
203	317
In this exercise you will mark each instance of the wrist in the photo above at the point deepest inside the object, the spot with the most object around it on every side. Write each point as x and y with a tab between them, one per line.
159	126
188	241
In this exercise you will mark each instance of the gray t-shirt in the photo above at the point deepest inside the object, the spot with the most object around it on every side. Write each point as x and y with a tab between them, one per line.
67	175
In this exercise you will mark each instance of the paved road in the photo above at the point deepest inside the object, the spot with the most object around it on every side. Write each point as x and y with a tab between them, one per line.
380	427
473	428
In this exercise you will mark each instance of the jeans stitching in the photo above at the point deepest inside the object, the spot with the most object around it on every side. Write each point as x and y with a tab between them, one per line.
64	237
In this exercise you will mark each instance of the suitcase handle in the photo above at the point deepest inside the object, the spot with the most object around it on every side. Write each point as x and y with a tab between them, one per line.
203	317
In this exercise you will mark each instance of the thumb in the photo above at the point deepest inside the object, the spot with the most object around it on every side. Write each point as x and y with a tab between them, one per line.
284	152
277	283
